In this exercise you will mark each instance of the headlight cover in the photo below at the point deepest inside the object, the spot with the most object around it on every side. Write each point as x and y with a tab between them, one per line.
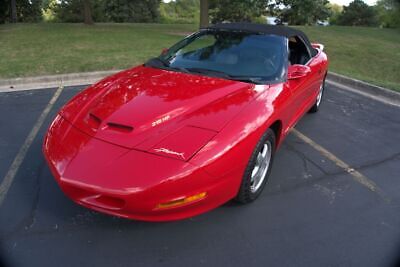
184	143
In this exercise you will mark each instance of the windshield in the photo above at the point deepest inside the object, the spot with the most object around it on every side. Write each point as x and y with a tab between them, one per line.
248	57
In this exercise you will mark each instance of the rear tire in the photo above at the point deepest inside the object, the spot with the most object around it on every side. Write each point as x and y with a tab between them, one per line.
318	101
258	169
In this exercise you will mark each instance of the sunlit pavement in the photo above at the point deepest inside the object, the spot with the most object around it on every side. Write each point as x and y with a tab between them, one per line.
312	212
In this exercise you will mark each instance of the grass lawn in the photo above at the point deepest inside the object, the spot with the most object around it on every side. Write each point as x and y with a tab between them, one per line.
48	48
369	54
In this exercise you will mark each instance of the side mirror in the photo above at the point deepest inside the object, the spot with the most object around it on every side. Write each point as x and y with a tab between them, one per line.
298	71
164	51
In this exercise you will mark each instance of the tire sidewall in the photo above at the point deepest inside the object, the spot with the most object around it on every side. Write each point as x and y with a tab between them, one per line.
245	195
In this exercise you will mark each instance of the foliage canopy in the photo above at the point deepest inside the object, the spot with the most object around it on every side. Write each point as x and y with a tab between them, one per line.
301	12
358	13
386	13
237	10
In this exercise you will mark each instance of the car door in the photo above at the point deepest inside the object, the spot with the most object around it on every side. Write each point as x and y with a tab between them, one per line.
302	88
315	79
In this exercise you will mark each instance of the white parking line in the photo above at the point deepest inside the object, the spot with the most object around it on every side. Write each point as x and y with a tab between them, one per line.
384	100
357	176
19	158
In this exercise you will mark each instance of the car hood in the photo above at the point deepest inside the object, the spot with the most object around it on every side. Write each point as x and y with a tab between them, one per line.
141	106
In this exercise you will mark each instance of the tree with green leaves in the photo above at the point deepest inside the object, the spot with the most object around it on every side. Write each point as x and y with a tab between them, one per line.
20	11
358	13
237	10
204	17
336	10
301	12
87	12
180	11
4	16
132	10
388	13
74	11
14	11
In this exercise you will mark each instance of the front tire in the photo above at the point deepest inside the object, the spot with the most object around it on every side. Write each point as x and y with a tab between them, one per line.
318	101
258	169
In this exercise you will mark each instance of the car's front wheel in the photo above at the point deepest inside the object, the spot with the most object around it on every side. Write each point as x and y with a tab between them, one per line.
258	169
318	101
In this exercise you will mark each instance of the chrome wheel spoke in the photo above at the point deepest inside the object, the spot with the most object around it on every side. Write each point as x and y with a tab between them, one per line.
320	93
254	172
260	169
260	159
265	151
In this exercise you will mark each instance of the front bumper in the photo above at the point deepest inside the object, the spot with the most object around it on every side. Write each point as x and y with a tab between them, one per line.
127	183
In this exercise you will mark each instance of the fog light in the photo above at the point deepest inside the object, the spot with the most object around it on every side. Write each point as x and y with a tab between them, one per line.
182	201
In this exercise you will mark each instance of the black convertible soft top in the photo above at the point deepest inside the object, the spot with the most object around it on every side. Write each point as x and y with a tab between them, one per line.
265	29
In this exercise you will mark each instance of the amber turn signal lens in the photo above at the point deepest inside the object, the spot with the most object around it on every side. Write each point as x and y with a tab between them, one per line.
182	201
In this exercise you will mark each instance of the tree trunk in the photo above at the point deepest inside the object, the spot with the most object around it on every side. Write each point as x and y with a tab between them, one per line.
13	11
87	12
203	13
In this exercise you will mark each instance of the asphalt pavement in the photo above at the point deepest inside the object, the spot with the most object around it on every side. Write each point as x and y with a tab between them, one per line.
313	212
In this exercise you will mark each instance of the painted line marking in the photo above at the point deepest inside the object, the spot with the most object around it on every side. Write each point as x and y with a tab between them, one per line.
19	158
357	176
383	100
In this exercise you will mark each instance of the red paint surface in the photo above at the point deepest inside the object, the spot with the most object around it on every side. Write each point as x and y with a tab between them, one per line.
147	136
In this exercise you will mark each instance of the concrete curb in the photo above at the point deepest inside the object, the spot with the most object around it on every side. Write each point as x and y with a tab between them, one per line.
85	78
364	87
51	81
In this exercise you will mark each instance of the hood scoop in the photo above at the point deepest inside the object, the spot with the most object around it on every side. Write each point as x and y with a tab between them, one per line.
95	122
119	127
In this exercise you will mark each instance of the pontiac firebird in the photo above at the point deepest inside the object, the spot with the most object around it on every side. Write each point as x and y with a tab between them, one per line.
190	129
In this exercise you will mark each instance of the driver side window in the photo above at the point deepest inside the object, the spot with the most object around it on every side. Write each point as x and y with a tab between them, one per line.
298	52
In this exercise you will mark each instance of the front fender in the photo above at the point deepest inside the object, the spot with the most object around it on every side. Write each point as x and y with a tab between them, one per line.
229	152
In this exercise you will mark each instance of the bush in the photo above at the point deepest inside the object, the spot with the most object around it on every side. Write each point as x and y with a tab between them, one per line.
180	11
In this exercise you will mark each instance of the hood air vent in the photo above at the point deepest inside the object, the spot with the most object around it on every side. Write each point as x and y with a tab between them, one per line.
119	127
94	121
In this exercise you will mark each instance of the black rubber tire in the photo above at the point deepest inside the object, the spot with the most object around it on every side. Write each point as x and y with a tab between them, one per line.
245	195
316	107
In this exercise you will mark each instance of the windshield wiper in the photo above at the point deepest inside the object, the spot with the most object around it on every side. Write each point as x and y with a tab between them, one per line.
158	62
209	72
162	63
225	75
247	79
180	69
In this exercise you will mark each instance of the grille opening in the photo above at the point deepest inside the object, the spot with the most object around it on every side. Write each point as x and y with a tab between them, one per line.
108	202
93	198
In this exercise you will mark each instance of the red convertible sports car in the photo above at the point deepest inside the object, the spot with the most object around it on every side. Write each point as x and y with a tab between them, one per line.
188	130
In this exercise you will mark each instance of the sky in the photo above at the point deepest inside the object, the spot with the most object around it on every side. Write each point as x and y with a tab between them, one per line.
340	2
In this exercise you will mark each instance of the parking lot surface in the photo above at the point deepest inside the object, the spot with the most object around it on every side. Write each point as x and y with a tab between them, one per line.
313	212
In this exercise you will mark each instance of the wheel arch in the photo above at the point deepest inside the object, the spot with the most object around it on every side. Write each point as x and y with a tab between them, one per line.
276	127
